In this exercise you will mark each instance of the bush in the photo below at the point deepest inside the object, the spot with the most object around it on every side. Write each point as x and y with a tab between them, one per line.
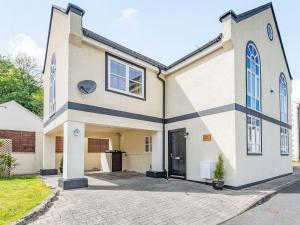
7	164
61	161
219	171
1	143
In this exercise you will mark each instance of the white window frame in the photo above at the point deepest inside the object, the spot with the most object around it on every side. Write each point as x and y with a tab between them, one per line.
127	80
250	75
149	144
283	98
254	146
284	141
52	86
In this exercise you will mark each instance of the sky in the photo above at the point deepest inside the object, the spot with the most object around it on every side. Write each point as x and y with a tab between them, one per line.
162	30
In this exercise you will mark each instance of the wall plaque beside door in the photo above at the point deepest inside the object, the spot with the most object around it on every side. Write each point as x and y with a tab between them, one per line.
206	137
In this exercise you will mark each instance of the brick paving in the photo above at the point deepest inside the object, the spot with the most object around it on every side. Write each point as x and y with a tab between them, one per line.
131	198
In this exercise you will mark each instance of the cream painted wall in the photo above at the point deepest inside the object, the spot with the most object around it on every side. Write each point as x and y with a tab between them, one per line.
272	61
271	163
88	62
92	160
133	143
295	131
30	163
251	168
205	84
13	116
58	44
222	128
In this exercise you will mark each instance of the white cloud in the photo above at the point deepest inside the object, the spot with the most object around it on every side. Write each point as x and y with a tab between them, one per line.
129	15
23	43
296	90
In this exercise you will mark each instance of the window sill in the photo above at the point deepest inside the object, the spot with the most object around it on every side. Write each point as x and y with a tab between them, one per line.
284	154
254	154
125	94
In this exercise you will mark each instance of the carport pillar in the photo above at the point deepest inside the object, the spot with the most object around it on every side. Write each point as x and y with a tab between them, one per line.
48	156
157	156
73	162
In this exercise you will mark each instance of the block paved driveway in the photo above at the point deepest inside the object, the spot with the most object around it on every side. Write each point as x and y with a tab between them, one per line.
131	198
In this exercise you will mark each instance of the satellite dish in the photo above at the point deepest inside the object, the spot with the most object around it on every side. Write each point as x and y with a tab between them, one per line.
87	86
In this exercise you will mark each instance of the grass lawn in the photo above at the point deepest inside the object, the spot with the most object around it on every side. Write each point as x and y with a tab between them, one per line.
18	195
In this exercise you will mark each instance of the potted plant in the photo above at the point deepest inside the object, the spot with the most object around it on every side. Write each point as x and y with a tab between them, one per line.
61	164
218	182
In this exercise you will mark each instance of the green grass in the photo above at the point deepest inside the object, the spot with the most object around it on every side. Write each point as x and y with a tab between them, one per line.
18	195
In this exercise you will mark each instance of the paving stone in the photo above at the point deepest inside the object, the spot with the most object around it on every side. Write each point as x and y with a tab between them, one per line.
133	199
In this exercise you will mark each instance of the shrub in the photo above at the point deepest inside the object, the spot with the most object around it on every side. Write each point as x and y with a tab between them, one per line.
61	161
219	171
1	143
7	164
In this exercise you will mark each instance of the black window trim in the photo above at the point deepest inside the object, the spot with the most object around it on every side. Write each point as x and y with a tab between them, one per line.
128	62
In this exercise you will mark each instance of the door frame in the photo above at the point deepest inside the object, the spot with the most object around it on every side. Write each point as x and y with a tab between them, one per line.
169	151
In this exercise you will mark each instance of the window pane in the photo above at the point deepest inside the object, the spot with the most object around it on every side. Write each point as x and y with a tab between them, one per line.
135	87
118	68
117	82
146	140
135	75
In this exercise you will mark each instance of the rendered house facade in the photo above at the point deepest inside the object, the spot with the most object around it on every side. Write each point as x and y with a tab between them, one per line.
230	95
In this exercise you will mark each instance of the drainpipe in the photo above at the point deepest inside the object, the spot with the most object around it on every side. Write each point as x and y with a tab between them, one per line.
164	117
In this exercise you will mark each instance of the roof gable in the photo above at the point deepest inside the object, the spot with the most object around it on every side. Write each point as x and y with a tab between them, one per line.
240	17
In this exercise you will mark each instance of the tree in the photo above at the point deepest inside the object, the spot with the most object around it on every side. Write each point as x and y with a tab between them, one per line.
20	80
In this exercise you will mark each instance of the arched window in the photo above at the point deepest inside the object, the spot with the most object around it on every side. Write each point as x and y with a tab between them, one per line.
52	95
253	71
283	98
253	77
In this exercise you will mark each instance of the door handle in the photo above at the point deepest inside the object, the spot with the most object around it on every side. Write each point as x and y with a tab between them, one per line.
177	157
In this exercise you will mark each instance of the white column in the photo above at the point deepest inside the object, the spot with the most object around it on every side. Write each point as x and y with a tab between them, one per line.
73	150
48	152
157	152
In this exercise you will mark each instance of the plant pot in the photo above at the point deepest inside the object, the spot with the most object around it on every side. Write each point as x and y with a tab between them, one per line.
218	184
61	169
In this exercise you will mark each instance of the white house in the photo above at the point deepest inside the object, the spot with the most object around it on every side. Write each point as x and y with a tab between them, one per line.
25	130
229	96
295	130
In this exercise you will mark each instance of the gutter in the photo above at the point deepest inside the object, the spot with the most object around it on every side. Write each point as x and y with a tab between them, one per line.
164	119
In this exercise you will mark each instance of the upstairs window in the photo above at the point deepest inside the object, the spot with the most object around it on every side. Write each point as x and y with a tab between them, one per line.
253	77
125	78
283	97
52	95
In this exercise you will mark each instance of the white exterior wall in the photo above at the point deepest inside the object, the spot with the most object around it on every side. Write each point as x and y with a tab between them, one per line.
133	143
16	117
271	163
295	131
206	84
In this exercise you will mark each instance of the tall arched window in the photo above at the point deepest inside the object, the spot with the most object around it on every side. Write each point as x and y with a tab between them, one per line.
52	95
253	77
283	98
253	72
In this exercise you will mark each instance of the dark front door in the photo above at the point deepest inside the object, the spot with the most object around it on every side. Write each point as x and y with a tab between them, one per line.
177	153
116	161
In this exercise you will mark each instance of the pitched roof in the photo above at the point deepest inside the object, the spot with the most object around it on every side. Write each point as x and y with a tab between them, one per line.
101	39
240	17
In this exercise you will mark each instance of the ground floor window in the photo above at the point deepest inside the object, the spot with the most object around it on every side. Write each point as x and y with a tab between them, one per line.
284	141
254	135
148	144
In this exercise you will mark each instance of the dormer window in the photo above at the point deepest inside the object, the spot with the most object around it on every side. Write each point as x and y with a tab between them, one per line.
52	95
125	78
